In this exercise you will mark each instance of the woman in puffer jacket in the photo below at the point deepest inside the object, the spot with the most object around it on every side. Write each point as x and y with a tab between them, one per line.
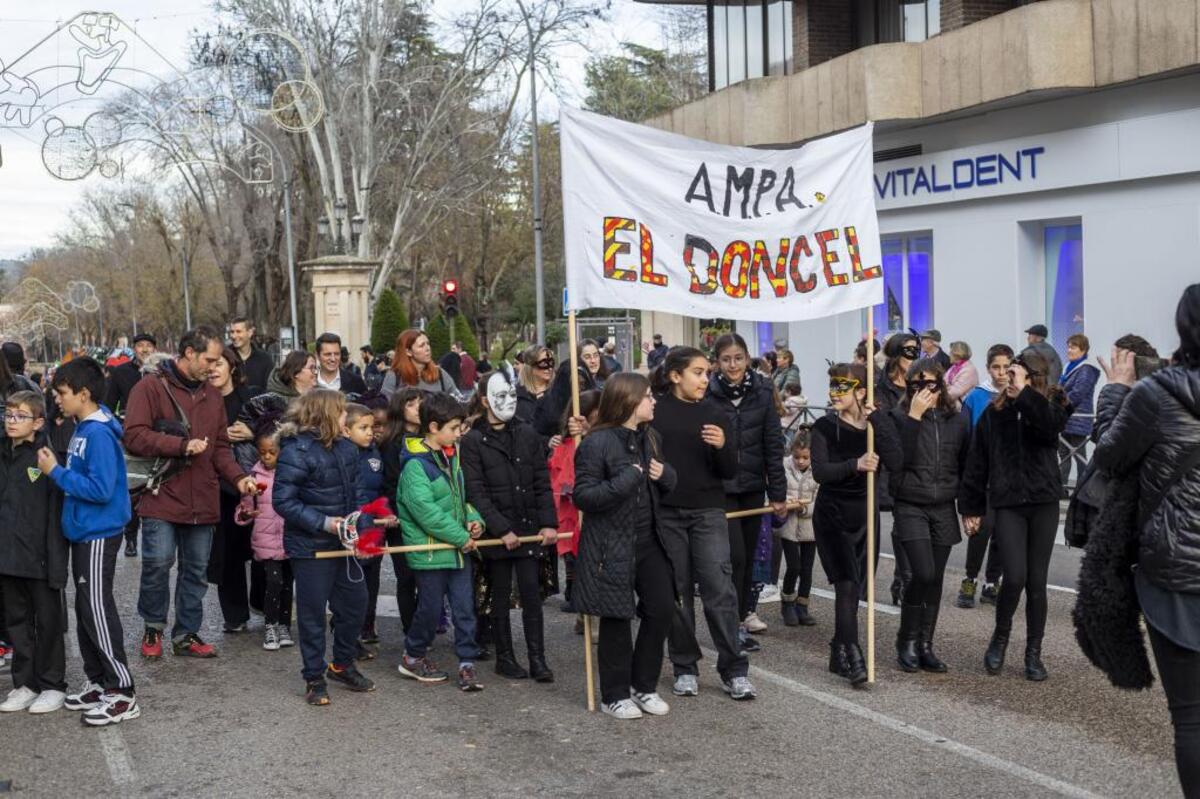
1155	433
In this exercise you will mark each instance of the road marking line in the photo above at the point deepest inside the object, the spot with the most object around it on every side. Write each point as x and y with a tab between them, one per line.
925	736
116	757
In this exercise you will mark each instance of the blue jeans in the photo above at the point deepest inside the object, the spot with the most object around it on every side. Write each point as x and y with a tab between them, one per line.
160	540
338	583
432	585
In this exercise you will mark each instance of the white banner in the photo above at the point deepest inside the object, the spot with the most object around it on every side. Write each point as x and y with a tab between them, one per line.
661	222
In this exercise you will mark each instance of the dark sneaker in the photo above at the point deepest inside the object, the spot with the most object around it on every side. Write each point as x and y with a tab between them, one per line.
421	670
114	708
88	697
466	679
966	594
990	593
315	693
131	549
235	628
747	642
369	635
364	652
152	644
190	646
350	677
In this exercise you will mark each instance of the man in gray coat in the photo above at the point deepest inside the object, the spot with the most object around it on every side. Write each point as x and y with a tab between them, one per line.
1037	336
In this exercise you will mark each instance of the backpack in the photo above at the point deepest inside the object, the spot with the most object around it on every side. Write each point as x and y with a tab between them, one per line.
149	472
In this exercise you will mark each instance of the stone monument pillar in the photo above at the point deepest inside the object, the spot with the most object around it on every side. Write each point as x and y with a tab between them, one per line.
341	287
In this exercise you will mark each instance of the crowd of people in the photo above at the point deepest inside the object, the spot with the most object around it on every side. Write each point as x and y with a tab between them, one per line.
282	483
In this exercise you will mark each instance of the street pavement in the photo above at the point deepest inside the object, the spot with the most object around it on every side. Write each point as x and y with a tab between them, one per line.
238	726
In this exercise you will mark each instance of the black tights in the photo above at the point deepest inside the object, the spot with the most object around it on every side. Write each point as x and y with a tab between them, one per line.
799	555
928	563
1179	670
845	618
1025	539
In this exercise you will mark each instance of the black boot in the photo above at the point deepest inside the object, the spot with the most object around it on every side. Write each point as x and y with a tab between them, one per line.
858	666
483	637
906	638
929	661
839	660
1034	670
506	660
536	646
993	659
787	607
897	590
806	620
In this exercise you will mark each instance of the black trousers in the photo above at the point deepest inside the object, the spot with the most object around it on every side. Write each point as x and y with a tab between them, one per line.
743	540
1025	536
277	592
371	568
984	543
621	662
1179	670
36	620
227	564
500	575
797	579
101	639
406	581
132	529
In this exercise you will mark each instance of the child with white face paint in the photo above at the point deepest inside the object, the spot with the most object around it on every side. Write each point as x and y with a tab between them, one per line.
508	483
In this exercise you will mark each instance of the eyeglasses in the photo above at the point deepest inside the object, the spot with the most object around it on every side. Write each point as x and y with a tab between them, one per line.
544	363
918	386
18	417
839	388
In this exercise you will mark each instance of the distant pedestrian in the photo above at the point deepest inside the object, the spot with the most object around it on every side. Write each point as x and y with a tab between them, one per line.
962	376
331	372
257	364
931	347
655	354
1078	380
1036	337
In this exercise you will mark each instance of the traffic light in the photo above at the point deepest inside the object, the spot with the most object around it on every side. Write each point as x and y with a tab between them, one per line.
450	298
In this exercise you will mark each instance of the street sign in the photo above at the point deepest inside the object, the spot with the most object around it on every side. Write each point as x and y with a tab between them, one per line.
564	300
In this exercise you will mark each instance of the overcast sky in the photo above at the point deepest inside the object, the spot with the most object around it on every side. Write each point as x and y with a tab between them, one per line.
34	204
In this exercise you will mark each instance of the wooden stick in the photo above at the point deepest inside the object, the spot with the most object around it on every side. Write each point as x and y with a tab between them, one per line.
765	509
588	667
486	542
870	510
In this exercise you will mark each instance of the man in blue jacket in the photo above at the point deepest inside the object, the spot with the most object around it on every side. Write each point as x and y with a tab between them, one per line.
94	514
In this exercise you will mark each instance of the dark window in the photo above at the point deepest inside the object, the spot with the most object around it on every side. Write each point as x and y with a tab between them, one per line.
749	39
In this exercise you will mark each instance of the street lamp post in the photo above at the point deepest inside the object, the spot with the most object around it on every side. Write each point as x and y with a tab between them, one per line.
337	231
287	226
538	271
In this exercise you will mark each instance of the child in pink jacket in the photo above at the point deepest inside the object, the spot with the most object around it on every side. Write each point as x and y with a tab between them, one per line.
266	541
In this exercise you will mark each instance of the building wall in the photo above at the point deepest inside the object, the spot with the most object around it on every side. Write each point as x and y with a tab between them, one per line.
823	29
959	13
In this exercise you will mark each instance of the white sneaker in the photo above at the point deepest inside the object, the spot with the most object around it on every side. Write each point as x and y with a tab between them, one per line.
754	624
88	697
769	594
622	709
18	699
651	703
285	635
271	638
686	685
48	702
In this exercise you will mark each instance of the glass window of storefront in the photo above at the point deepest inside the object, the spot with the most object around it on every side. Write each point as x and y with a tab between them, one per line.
750	39
908	284
1062	247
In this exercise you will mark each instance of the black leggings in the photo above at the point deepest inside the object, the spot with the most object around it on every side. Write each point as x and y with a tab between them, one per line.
500	573
1025	540
800	556
1179	670
928	563
743	541
277	592
845	611
406	589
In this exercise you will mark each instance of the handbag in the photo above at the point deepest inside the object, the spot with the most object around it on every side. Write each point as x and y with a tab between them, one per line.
148	472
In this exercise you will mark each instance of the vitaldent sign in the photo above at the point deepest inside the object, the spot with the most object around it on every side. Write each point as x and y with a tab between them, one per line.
1141	147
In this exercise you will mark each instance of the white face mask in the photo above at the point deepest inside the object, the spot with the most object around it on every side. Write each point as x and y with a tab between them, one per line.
501	397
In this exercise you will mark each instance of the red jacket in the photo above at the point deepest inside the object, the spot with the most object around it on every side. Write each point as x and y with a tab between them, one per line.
193	495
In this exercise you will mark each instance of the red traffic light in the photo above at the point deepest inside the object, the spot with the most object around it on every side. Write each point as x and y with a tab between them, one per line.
450	286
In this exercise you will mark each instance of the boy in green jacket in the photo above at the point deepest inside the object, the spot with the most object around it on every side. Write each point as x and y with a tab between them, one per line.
432	507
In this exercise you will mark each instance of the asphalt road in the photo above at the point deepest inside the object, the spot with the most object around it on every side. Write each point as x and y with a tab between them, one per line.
238	725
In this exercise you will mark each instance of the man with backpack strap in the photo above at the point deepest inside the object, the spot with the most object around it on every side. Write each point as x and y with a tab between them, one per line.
181	513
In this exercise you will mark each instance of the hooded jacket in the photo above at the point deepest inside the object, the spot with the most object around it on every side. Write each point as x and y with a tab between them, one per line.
266	537
97	492
193	495
314	483
431	503
1155	426
756	436
31	539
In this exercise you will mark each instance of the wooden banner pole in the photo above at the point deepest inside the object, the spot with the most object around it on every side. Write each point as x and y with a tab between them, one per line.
486	542
870	512
588	667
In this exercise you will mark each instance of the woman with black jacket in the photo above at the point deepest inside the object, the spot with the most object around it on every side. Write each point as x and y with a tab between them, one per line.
509	484
1013	468
1155	433
840	463
901	351
592	374
619	481
934	441
747	402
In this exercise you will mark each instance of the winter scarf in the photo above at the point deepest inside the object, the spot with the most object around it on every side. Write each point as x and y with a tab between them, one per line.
734	391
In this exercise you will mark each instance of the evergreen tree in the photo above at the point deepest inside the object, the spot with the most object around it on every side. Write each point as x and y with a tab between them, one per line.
388	321
464	333
439	337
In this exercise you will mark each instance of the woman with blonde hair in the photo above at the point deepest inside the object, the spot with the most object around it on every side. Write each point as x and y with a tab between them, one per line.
962	376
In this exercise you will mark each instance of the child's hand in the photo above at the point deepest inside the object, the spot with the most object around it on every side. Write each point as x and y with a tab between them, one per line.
474	529
46	460
713	435
470	546
577	426
656	469
510	540
555	441
549	535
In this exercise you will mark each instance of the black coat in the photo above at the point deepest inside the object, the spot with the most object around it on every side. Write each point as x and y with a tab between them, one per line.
31	541
1014	454
313	482
509	484
258	367
757	437
1155	425
605	482
935	453
548	414
121	381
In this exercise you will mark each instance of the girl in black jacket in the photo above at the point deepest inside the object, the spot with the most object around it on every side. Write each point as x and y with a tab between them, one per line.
619	480
1013	468
934	441
403	421
747	401
840	463
508	483
901	351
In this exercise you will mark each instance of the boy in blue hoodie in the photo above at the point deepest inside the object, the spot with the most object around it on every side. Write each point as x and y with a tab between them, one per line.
95	511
